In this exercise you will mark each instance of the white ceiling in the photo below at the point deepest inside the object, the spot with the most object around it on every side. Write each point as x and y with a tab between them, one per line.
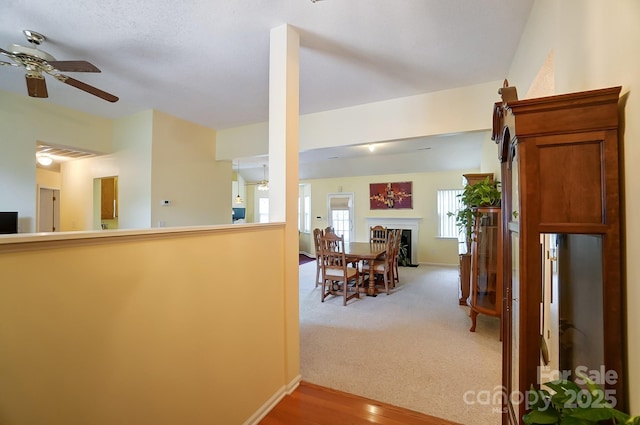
461	151
206	61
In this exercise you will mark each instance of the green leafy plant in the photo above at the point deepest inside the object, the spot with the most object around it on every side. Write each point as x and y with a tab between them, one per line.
482	194
403	258
572	405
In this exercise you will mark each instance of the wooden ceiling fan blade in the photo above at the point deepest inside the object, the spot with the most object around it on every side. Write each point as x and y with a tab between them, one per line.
74	66
87	88
36	86
6	53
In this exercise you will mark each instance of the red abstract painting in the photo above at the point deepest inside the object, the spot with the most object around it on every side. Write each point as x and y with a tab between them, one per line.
384	196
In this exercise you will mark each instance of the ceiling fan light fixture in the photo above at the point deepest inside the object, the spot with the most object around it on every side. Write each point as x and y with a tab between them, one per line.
264	183
37	63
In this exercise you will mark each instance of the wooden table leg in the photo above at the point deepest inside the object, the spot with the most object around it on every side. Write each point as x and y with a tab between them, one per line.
371	290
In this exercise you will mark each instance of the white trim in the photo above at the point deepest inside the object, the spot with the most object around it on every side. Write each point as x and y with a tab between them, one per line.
295	383
410	223
273	401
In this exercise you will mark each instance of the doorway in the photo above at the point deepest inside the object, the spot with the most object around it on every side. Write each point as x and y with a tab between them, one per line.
340	214
106	204
48	210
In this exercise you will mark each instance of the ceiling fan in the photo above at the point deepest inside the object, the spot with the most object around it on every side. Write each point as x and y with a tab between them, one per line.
37	63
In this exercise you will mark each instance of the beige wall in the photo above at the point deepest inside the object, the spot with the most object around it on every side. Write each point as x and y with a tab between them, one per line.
431	249
32	120
184	171
47	178
595	45
155	156
180	332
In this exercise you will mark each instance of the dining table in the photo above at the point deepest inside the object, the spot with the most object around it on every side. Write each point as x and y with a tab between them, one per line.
365	251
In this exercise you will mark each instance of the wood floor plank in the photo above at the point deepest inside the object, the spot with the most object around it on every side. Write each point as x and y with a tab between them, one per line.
312	404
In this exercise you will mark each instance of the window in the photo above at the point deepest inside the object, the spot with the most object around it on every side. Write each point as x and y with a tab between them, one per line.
263	210
304	208
341	222
307	214
448	201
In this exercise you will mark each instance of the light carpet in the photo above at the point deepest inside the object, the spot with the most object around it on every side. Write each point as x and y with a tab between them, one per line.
412	348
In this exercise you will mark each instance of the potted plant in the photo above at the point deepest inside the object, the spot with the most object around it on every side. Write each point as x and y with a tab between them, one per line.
482	194
403	258
572	405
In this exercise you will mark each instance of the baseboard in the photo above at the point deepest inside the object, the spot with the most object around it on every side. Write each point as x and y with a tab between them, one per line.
295	383
273	401
306	253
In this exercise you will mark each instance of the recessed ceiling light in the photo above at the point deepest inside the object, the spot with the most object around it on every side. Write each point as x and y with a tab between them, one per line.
333	157
423	149
45	160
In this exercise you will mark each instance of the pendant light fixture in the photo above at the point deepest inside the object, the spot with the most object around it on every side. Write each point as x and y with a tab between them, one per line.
238	199
264	183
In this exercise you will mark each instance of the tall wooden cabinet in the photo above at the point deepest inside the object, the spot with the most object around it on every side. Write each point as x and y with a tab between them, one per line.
562	247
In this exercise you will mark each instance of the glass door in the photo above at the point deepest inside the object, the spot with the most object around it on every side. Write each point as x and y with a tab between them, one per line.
340	214
511	301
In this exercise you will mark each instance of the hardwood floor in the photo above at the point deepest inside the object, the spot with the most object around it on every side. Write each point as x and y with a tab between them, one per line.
311	404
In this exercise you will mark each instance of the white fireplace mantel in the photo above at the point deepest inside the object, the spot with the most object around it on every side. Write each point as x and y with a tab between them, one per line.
410	223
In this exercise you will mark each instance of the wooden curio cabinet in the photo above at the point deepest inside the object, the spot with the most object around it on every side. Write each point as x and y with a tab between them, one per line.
486	264
563	306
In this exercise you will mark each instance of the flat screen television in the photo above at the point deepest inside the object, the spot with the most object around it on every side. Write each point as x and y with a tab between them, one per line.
8	222
239	213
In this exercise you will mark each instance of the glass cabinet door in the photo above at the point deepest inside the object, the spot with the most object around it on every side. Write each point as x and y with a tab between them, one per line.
486	264
512	306
486	251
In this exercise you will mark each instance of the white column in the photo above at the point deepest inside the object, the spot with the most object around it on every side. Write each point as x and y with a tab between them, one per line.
283	176
284	90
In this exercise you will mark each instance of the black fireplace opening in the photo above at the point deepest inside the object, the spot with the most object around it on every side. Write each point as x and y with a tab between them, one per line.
404	256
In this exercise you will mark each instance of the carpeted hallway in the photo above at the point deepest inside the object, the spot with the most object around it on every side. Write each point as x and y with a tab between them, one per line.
412	348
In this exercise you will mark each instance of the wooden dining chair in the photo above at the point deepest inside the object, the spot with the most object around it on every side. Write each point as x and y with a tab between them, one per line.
382	267
328	229
337	277
317	234
378	234
395	254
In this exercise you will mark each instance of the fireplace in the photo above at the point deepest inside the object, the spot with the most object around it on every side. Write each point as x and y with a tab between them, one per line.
405	240
406	224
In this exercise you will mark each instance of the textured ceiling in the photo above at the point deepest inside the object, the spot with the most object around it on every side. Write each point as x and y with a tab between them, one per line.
207	61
